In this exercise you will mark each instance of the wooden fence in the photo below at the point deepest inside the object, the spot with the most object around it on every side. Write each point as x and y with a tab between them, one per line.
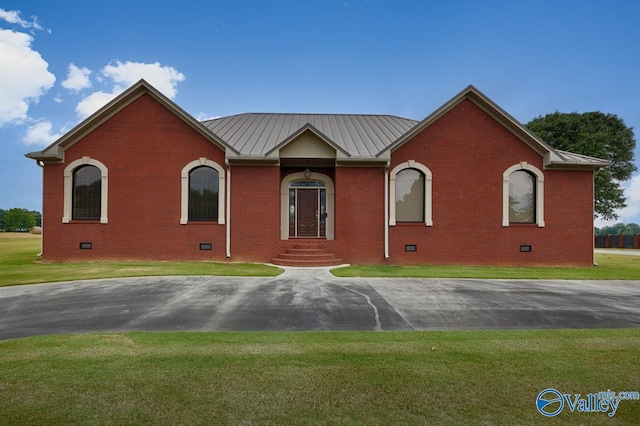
618	241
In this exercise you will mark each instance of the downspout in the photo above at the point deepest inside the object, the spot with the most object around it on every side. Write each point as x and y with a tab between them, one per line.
593	225
228	212
386	211
41	165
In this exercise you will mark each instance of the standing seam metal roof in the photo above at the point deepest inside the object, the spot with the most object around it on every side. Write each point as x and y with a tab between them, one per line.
255	134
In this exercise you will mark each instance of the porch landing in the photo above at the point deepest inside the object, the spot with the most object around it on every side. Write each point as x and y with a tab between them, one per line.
307	254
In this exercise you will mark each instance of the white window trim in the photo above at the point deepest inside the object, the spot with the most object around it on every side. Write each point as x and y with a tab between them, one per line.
184	198
68	187
428	180
284	202
539	192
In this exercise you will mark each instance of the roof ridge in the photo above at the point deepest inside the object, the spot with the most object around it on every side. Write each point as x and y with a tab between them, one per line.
310	113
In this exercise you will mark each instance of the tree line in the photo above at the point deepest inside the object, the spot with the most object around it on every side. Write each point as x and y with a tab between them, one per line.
19	220
619	229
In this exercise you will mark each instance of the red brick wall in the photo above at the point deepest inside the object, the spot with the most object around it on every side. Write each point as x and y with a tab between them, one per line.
144	146
468	151
255	213
359	214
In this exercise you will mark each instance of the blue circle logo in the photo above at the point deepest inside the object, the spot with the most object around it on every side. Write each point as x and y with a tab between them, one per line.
549	402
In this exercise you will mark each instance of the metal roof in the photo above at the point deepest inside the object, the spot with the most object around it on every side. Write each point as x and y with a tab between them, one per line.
358	137
257	134
579	159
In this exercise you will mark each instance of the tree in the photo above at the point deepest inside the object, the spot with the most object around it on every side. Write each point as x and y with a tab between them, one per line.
37	216
18	220
595	134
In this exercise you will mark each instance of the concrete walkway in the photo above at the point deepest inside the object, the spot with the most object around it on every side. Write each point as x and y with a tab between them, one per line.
625	252
313	299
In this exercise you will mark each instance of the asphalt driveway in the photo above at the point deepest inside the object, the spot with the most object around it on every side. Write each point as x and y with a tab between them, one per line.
313	299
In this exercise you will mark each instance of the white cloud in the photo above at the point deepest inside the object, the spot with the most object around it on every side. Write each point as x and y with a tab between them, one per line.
24	74
94	102
124	74
201	116
40	134
631	213
77	78
13	17
165	79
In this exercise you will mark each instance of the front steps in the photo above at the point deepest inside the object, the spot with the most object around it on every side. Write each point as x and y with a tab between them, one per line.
307	254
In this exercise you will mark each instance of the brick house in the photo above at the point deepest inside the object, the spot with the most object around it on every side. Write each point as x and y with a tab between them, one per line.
142	179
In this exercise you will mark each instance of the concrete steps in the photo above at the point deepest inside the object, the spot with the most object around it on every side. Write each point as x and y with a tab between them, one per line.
306	254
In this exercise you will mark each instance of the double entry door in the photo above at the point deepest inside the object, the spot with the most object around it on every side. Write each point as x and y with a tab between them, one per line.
307	210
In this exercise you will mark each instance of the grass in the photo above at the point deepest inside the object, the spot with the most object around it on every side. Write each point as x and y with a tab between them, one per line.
335	378
19	265
307	378
610	267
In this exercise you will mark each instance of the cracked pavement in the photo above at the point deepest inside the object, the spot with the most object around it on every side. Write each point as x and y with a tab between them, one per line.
311	299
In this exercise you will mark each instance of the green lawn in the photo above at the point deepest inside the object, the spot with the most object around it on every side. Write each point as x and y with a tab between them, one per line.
339	378
306	378
610	267
19	265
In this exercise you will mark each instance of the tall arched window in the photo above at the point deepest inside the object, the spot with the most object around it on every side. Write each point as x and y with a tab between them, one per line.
523	195
410	194
203	194
87	191
409	197
86	188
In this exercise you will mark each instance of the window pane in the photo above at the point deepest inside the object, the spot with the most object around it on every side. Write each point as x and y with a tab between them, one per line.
87	191
410	196
522	206
308	183
203	194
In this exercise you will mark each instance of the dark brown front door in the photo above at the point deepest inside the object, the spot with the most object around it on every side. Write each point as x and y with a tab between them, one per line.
307	213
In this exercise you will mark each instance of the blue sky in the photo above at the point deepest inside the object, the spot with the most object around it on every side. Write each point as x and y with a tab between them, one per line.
60	61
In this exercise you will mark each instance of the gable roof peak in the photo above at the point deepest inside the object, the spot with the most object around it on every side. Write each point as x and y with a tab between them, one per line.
55	151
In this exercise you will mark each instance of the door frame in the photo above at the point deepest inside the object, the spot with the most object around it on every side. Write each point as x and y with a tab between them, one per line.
316	202
284	202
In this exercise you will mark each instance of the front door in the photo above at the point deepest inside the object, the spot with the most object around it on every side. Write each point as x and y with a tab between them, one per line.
307	209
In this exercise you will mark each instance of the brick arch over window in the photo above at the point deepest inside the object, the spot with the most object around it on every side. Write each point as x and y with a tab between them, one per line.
428	178
184	197
539	192
68	187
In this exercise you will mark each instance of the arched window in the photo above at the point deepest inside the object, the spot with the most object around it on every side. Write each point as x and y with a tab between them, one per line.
87	190
409	197
523	195
86	186
203	194
410	194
